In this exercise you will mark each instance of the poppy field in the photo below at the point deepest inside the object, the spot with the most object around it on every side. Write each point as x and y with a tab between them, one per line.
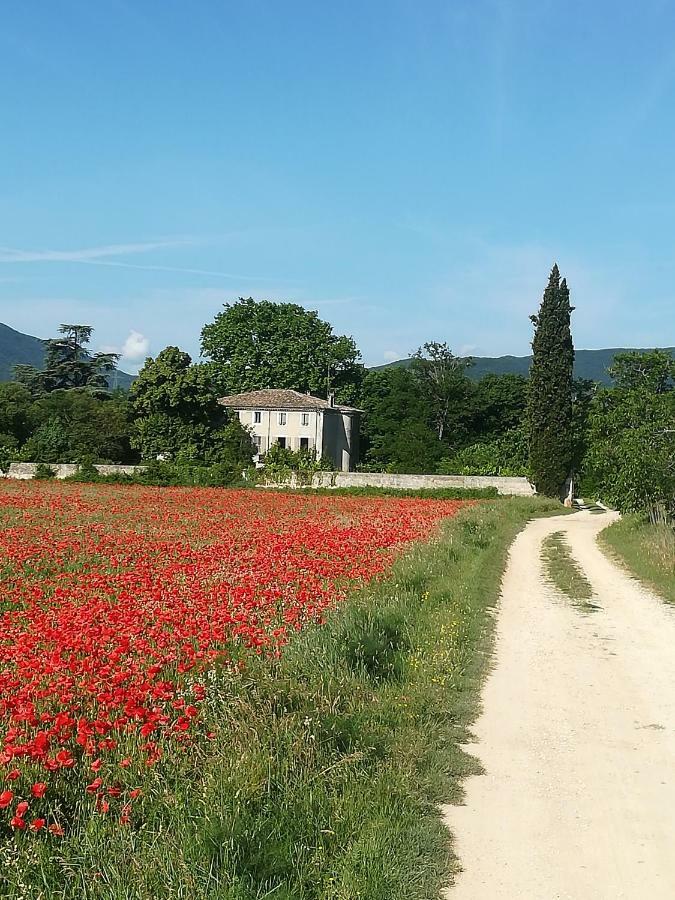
120	605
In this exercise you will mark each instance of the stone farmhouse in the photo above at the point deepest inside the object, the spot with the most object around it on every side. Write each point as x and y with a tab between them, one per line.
296	421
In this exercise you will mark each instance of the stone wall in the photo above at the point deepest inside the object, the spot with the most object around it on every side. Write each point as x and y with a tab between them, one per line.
63	470
519	487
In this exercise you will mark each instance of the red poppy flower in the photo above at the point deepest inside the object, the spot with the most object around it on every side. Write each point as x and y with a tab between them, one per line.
120	602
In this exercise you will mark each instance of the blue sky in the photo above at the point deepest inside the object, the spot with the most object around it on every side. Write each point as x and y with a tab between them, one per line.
409	169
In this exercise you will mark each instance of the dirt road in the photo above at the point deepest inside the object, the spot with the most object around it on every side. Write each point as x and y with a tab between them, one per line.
577	738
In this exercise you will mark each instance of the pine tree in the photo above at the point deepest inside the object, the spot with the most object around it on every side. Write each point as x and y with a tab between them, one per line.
550	390
68	364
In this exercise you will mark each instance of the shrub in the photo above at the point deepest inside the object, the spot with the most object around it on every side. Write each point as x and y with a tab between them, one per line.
505	456
44	472
280	464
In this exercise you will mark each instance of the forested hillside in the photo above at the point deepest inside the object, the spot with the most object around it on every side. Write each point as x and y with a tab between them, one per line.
592	365
18	349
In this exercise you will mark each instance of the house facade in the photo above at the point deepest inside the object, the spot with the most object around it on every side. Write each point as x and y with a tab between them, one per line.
299	421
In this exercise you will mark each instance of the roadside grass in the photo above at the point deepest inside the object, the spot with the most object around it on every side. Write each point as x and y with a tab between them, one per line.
327	765
647	550
564	572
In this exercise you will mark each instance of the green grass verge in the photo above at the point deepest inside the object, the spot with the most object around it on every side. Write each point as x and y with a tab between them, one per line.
328	765
565	573
647	550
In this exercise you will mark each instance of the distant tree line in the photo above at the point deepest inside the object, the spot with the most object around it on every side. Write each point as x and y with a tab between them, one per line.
427	417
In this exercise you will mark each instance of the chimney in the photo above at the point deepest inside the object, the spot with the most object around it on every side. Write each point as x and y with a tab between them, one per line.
331	399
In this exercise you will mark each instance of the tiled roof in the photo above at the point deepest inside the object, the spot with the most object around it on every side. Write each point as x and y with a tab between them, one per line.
271	398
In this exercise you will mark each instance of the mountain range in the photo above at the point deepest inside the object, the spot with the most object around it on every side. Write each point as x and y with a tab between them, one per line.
24	349
590	364
17	348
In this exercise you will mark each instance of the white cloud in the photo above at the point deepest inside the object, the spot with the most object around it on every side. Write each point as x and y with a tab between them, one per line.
467	349
88	254
98	256
135	347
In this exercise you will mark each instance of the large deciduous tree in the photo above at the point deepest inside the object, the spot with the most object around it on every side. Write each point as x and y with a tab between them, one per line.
499	405
178	415
630	460
260	344
551	390
444	381
652	372
397	432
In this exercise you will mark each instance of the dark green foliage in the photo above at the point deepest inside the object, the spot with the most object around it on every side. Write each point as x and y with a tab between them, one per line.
583	392
506	455
397	432
630	457
44	473
550	391
68	365
16	411
17	349
69	425
499	405
7	453
48	442
178	417
281	464
260	344
167	474
405	409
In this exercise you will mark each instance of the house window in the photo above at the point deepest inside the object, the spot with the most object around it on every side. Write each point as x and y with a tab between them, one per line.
282	418
281	441
257	417
304	443
304	418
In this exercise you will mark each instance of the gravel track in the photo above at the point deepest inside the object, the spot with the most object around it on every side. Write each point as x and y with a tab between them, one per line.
576	736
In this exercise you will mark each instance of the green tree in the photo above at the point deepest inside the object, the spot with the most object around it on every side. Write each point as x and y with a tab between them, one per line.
445	384
653	371
630	460
550	392
396	429
177	414
69	425
499	404
583	392
16	405
68	364
506	454
48	444
256	345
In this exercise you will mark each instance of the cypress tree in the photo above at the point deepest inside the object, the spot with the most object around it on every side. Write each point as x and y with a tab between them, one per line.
550	390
